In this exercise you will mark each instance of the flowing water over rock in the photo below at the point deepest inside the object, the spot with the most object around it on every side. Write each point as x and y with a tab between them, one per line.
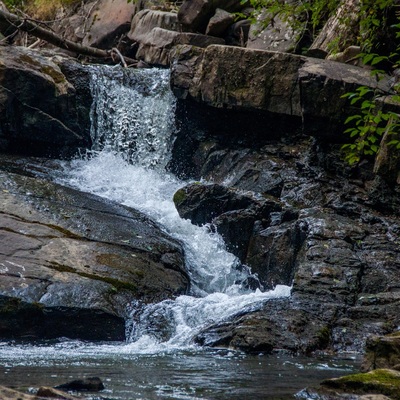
132	133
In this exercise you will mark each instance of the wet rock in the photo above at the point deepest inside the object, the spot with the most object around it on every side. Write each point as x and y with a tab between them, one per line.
277	326
272	253
11	394
67	256
202	203
39	110
49	392
326	394
92	384
232	212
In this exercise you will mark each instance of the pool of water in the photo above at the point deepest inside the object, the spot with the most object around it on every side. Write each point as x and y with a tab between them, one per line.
186	374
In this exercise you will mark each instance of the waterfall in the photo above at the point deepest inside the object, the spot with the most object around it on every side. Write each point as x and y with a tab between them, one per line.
132	132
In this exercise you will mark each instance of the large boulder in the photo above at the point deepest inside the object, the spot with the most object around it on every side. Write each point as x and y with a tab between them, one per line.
74	262
107	21
279	34
280	83
42	113
155	48
146	20
234	214
219	22
194	15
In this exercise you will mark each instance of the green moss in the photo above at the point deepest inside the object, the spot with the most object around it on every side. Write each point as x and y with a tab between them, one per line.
179	197
381	381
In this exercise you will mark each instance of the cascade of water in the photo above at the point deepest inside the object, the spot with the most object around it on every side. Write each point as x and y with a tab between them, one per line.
132	132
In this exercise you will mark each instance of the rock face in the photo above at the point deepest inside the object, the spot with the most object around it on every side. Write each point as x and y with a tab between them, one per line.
333	234
73	262
42	113
280	83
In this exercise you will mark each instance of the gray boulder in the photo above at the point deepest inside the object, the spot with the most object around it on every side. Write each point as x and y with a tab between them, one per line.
279	35
74	262
280	83
194	15
219	22
107	21
156	47
146	20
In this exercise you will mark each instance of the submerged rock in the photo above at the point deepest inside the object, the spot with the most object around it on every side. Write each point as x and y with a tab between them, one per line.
93	384
74	262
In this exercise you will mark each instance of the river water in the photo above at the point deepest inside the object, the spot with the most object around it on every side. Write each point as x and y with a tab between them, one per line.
133	131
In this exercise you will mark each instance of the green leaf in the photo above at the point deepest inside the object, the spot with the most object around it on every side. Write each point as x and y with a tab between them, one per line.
365	104
354	133
352	118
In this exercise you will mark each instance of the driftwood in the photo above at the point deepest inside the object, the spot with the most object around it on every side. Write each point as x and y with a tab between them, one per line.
36	30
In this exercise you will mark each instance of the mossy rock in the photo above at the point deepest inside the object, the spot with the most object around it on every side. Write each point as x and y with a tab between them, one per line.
379	381
179	196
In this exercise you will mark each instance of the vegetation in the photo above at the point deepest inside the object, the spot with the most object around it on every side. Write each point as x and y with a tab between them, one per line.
377	39
304	17
40	9
371	123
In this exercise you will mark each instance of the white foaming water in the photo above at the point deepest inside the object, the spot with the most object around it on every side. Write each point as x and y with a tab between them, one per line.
132	130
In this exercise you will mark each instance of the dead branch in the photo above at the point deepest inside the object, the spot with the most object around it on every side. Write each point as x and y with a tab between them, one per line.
27	25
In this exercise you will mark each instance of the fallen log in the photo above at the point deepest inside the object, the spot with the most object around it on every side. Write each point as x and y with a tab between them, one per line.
33	28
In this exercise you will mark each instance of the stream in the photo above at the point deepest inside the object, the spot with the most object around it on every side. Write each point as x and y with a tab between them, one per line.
133	131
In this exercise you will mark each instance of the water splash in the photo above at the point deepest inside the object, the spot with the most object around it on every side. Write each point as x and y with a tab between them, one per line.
132	131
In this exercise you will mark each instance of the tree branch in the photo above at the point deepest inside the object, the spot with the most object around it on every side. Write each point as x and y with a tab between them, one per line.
34	29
